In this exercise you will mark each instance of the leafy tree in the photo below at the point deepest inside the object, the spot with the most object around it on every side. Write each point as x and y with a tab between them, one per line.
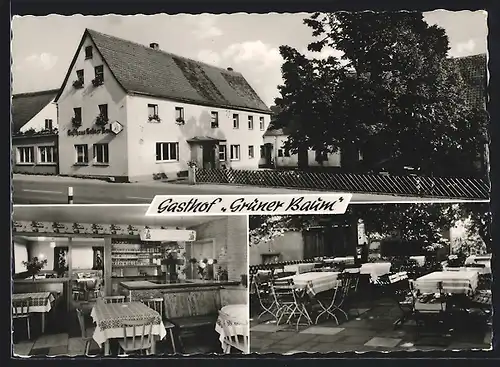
395	95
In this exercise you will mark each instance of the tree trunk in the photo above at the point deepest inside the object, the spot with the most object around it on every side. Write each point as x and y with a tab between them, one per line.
303	157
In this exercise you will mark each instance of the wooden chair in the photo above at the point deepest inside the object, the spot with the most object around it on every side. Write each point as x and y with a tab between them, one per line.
155	304
21	310
233	337
114	299
86	339
141	339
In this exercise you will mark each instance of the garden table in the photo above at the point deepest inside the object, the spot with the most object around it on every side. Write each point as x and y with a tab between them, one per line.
108	318
375	270
454	282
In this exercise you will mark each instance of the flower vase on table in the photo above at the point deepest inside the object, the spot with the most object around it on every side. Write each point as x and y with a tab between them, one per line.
34	266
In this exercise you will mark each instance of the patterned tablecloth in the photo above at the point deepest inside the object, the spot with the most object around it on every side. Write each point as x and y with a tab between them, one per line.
455	282
341	260
316	282
375	270
239	314
40	301
108	318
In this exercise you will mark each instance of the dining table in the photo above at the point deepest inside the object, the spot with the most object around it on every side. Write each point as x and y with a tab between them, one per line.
315	282
452	282
375	270
239	316
108	319
40	302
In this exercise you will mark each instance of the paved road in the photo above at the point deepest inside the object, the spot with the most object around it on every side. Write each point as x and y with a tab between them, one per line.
54	190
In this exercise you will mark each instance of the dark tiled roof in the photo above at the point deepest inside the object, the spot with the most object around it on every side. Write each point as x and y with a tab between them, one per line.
277	132
143	70
201	139
26	105
474	73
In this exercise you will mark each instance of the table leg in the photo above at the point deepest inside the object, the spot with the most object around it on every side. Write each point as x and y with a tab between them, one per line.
43	322
171	332
106	348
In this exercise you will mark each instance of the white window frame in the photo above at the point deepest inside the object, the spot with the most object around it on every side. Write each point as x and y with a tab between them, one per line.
262	124
222	152
251	152
104	153
214	119
236	121
154	107
48	148
235	152
85	152
162	150
250	122
21	155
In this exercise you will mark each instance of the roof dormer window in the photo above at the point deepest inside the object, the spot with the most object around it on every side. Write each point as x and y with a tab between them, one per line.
88	52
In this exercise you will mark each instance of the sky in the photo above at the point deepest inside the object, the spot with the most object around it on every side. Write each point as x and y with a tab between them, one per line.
43	47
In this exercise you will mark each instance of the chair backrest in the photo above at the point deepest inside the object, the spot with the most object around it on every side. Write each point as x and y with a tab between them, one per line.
21	306
81	322
114	299
155	304
234	334
138	333
284	291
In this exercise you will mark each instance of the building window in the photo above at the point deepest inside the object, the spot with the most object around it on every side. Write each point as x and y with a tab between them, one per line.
321	156
179	114
103	111
261	123
286	152
250	122
47	154
280	153
222	152
167	152
88	52
48	124
77	118
99	75
250	151
236	121
152	111
26	155
80	76
82	153
101	153
262	151
214	119
235	152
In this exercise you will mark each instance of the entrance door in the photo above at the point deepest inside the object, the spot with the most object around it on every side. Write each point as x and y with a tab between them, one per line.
209	156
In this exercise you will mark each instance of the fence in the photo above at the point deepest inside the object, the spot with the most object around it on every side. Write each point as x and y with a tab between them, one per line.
444	187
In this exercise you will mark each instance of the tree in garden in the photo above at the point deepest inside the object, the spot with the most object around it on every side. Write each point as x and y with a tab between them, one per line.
396	95
421	223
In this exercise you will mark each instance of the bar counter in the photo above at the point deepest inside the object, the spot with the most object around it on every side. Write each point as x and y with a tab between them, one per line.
230	292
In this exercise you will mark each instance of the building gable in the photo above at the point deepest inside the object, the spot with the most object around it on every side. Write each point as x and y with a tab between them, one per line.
26	106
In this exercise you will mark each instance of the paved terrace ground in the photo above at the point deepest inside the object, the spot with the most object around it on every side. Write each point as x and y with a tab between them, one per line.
372	330
33	189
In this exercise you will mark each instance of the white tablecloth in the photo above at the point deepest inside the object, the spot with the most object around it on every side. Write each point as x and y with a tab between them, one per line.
375	269
316	282
455	282
343	260
107	317
482	260
420	260
40	301
239	314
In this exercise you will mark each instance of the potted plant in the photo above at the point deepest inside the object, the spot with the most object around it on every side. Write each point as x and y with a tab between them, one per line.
97	81
77	84
154	118
202	269
101	120
179	121
76	122
34	266
222	274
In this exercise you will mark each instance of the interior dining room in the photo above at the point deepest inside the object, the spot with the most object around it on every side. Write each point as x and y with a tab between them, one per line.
108	280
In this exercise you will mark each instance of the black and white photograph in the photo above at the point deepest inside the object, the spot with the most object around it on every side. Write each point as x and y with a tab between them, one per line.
391	277
109	281
385	105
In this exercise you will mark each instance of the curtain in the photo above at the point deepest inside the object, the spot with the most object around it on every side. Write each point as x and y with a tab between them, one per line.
60	259
98	261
